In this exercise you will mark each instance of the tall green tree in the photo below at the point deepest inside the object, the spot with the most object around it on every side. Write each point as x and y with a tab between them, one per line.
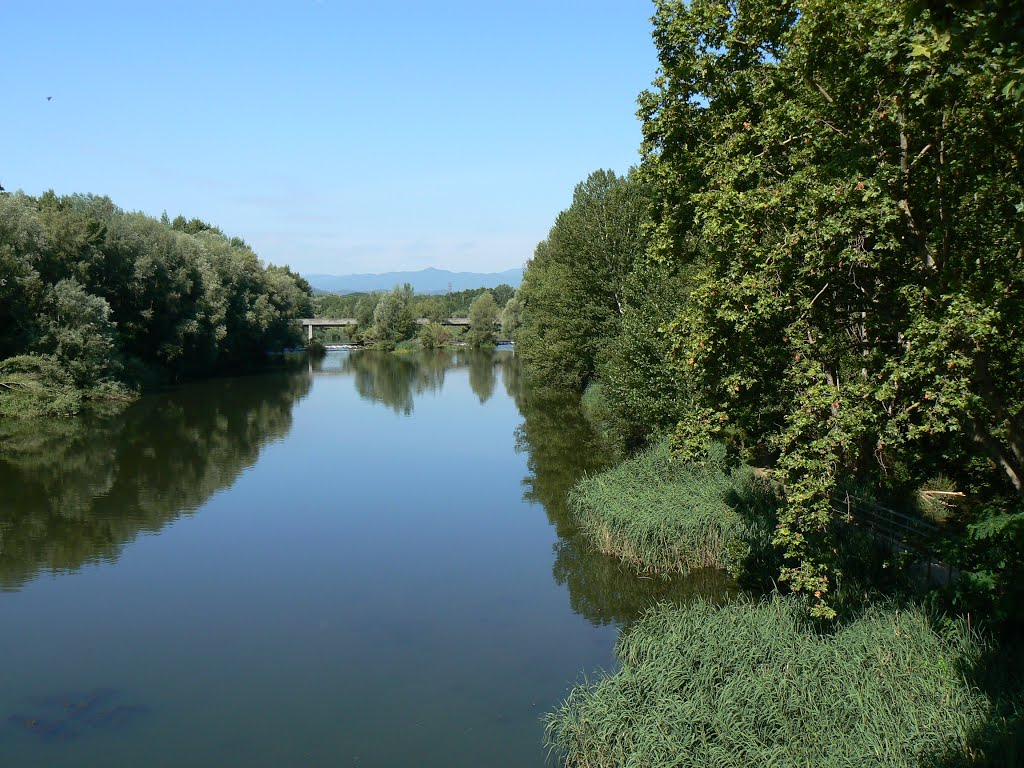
573	290
364	310
483	314
844	183
432	308
393	319
76	329
22	243
511	316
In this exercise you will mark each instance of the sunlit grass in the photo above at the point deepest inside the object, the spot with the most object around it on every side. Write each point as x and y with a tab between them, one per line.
664	517
756	685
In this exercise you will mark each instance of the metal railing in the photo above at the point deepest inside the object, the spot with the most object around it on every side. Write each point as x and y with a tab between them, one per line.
905	534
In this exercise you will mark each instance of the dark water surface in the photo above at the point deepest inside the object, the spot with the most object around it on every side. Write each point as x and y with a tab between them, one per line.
366	562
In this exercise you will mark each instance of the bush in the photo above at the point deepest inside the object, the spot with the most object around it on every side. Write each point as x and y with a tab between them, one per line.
433	335
408	346
757	685
662	516
37	385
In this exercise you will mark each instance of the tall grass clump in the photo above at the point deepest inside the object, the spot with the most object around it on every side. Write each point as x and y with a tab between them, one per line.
758	685
665	517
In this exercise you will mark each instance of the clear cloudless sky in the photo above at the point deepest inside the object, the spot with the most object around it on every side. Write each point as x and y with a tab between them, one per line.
335	136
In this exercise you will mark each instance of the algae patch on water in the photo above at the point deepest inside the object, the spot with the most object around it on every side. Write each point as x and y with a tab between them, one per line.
68	715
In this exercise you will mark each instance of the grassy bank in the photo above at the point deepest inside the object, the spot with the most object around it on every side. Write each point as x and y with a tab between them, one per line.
666	517
38	385
756	685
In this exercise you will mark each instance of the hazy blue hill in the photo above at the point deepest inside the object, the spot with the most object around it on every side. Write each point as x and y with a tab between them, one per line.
424	281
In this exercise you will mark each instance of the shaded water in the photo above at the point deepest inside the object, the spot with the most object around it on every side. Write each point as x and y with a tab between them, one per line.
363	562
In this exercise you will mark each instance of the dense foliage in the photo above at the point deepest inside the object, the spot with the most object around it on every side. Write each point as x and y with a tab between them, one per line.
483	314
428	306
389	320
393	319
113	296
574	290
832	279
852	207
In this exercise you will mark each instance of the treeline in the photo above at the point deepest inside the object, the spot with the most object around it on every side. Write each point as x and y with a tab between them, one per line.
98	301
388	320
455	304
812	286
818	262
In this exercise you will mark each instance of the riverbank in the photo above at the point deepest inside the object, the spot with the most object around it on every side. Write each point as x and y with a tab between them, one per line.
757	681
33	386
37	385
758	684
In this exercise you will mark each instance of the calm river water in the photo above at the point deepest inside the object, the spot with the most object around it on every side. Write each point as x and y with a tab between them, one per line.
364	562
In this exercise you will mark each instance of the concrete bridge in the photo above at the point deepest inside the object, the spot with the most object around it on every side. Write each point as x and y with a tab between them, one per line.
309	323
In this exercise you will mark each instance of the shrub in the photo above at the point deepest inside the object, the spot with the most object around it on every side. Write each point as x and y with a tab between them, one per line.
433	335
37	385
408	346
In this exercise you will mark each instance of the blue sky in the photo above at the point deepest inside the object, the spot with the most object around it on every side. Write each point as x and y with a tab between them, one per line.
333	136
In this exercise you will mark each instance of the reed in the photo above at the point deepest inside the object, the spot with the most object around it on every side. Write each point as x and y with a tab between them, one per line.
666	517
754	684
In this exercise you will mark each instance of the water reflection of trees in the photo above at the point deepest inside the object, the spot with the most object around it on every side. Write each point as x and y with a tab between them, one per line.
396	380
74	491
561	447
481	372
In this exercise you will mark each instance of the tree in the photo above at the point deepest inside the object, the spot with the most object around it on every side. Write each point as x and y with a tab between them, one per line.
393	319
21	247
843	184
289	296
641	387
511	316
364	310
434	335
502	293
483	314
77	331
573	289
432	308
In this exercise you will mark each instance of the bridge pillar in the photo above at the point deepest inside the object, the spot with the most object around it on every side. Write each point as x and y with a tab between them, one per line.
310	327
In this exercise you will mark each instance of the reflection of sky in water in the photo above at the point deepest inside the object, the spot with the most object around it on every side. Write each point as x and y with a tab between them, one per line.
357	584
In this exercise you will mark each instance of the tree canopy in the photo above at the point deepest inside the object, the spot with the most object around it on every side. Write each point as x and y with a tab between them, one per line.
118	296
820	261
483	314
845	182
573	291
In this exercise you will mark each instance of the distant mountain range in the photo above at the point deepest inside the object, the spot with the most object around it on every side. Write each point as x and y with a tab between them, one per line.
424	281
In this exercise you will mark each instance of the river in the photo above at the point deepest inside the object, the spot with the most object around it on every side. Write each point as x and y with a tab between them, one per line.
367	561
